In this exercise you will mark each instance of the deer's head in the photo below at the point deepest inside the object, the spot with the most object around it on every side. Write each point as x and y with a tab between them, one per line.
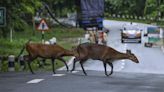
132	56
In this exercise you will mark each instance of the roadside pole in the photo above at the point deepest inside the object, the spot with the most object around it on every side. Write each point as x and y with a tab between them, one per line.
11	35
43	37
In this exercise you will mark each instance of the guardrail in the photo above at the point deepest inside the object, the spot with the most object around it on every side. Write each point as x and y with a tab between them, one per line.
133	17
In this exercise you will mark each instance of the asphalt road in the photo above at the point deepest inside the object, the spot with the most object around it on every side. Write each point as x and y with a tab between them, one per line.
147	76
96	81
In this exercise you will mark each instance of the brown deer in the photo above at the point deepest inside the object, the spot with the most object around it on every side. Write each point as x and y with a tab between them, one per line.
103	53
46	52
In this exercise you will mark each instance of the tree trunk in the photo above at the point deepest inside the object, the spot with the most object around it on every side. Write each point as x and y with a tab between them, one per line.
4	33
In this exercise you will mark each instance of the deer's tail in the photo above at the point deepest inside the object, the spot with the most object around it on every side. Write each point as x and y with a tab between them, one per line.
23	48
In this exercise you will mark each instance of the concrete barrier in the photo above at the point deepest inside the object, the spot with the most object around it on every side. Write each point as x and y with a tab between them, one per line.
118	16
114	15
21	61
11	63
123	16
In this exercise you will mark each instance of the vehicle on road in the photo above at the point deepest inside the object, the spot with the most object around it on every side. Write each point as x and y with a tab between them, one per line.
155	37
131	33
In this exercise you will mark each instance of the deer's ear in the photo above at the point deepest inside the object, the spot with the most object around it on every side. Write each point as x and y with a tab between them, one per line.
128	51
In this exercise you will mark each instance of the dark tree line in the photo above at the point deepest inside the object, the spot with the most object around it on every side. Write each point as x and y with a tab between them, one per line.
20	12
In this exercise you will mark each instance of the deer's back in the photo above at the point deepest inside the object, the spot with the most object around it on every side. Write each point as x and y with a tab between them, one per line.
95	51
44	50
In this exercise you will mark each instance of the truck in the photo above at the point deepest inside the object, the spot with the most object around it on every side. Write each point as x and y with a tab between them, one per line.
90	13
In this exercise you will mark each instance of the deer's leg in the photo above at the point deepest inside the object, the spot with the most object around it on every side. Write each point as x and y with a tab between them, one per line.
74	62
111	65
44	62
29	63
53	66
64	63
24	67
81	63
105	69
25	59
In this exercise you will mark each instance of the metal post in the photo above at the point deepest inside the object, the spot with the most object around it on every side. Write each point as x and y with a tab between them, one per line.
43	37
11	65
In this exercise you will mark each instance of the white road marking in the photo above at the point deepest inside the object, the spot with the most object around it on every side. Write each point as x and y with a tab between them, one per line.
58	75
35	81
75	71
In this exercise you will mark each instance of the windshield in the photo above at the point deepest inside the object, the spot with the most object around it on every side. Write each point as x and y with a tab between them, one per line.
130	28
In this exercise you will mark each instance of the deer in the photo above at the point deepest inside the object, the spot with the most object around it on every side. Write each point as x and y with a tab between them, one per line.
45	51
104	53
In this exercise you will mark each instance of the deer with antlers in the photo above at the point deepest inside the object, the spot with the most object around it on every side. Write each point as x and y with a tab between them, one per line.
106	54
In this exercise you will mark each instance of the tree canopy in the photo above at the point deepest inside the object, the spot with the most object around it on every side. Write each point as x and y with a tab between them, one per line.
20	12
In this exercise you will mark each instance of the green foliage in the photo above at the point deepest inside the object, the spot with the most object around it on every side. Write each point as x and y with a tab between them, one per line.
130	7
151	5
64	37
17	11
153	9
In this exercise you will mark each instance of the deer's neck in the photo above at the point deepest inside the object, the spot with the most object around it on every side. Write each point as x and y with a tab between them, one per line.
122	56
68	53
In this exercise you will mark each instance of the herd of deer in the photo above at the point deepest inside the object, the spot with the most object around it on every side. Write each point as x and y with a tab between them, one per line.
82	53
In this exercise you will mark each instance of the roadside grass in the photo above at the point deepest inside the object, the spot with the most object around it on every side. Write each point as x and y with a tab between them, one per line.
66	37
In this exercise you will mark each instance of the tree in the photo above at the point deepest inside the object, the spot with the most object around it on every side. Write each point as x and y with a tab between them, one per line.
130	7
16	13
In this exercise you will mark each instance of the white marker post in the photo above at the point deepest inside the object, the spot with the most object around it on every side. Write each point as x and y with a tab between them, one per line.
11	65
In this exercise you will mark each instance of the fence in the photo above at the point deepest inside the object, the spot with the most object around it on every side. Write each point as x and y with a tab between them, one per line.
133	17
